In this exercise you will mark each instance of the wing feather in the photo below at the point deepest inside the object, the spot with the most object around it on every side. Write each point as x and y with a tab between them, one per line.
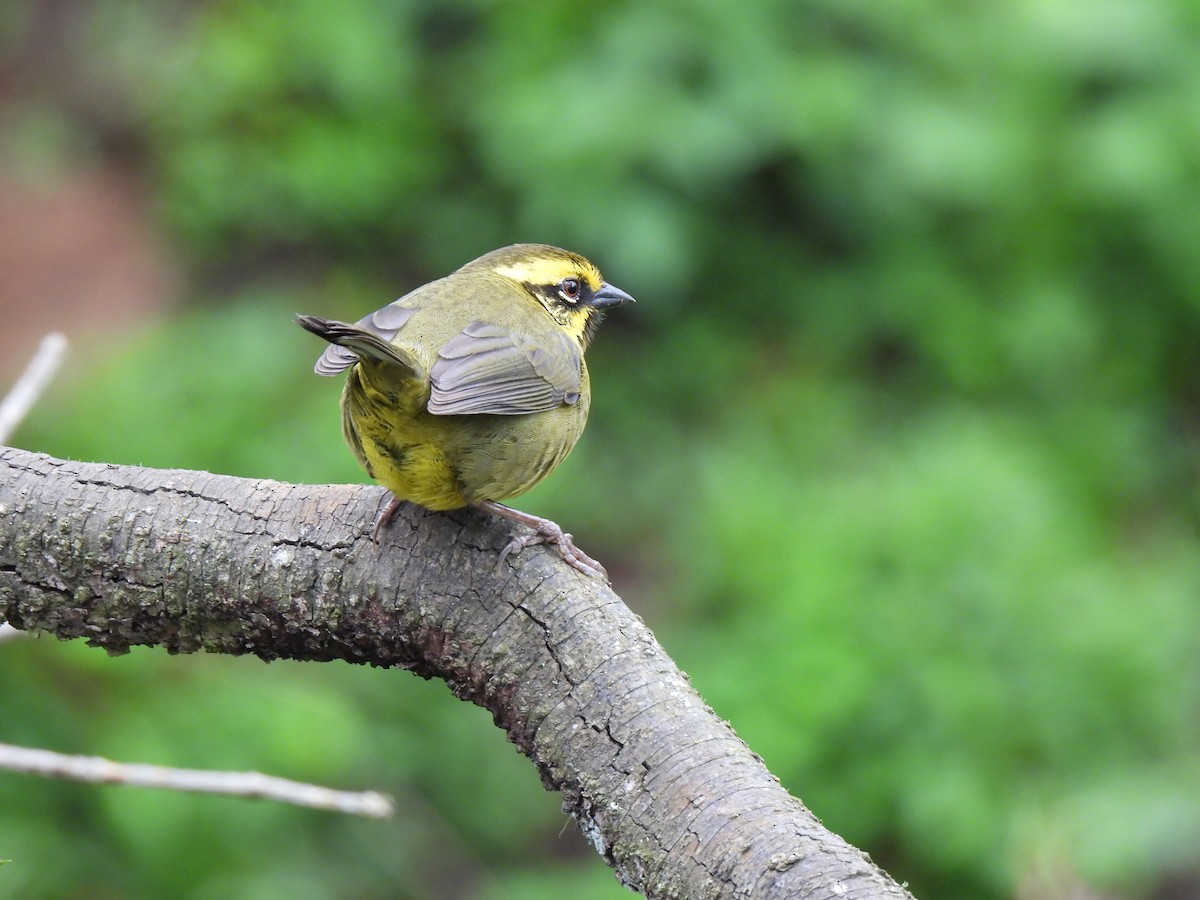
490	369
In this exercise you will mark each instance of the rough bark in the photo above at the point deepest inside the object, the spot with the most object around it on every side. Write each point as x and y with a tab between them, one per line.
664	790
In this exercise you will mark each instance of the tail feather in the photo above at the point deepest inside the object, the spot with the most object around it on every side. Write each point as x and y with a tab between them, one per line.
350	343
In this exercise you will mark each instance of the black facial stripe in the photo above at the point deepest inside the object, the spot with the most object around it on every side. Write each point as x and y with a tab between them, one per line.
553	293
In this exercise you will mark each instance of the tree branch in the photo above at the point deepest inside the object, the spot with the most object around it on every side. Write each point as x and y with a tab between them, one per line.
20	399
664	790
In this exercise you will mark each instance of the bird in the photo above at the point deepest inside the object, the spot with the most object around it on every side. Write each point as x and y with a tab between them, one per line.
471	389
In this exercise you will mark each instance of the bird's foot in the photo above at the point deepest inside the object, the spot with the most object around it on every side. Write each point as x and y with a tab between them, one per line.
544	532
385	518
550	533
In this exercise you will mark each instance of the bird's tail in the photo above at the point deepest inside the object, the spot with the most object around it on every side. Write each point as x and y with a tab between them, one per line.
349	344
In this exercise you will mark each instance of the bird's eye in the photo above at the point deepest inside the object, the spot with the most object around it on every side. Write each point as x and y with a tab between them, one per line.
568	289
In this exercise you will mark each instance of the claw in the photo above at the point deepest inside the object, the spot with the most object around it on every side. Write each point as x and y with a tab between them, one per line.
544	532
385	518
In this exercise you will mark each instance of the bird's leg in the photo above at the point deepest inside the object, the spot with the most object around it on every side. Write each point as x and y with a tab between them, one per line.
385	518
545	532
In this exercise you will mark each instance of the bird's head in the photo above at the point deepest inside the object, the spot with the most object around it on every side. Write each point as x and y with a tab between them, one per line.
569	286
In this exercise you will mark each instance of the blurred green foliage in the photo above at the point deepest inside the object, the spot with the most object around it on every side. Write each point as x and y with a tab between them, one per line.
898	452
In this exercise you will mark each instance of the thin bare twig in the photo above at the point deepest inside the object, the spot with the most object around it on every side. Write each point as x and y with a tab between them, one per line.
241	784
20	399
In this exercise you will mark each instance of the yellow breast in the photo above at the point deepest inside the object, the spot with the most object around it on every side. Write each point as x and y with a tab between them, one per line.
446	462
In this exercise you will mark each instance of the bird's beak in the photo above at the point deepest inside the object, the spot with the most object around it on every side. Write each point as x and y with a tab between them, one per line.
609	296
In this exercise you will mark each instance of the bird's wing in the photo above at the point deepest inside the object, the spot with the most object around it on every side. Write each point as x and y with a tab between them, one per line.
490	369
382	324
